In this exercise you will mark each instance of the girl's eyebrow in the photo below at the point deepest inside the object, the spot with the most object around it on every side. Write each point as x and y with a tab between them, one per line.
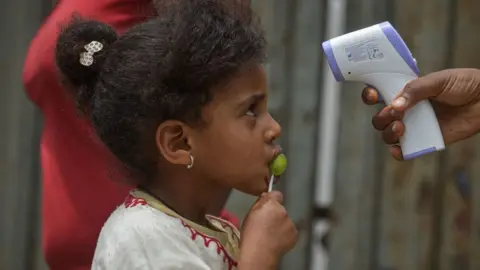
252	99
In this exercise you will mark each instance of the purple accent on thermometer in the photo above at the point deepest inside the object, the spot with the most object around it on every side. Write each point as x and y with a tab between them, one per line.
399	45
419	153
380	98
332	62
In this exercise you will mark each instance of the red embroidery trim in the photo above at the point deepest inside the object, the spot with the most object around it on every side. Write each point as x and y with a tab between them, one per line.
132	201
207	240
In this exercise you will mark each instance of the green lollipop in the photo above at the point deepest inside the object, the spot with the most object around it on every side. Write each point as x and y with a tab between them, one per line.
278	165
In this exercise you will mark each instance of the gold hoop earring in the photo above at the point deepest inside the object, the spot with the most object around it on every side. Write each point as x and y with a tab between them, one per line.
189	166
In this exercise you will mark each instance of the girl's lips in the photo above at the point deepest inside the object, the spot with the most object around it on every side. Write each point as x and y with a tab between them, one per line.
277	150
275	180
267	180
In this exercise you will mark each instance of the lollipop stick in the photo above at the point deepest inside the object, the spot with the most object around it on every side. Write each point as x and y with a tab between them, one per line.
270	183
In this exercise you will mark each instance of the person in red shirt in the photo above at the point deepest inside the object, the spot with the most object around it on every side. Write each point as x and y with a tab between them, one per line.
78	190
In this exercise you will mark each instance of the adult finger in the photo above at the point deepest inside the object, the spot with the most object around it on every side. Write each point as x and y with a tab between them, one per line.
370	96
393	132
385	117
422	88
396	152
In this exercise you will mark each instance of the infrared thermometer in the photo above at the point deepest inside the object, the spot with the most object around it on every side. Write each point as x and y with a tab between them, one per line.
379	57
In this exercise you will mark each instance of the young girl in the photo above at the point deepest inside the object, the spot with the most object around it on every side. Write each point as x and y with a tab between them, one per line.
181	101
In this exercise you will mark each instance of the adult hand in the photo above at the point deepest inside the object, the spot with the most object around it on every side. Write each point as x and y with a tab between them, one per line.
455	96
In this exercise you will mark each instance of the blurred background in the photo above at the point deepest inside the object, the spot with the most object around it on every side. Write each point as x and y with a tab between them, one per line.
355	207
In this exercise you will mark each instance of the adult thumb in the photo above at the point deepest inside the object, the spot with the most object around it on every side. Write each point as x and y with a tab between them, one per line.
422	88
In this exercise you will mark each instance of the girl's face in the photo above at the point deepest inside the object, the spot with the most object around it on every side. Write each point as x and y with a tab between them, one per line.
237	145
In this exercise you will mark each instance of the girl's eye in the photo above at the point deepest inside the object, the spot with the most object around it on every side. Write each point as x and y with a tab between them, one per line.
250	113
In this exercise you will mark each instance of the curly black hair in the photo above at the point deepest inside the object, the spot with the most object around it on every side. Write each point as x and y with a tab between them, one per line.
164	68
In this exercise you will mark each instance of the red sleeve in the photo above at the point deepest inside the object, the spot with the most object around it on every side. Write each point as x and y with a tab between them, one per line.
39	75
230	218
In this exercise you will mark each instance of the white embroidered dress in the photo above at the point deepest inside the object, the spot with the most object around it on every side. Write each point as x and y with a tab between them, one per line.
143	234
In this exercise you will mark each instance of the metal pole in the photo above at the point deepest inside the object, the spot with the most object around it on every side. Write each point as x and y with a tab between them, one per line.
329	113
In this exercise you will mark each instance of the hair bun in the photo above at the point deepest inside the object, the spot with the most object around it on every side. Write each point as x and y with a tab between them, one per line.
81	50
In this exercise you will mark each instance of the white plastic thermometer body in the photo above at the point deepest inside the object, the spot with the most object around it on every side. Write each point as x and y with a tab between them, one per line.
379	57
